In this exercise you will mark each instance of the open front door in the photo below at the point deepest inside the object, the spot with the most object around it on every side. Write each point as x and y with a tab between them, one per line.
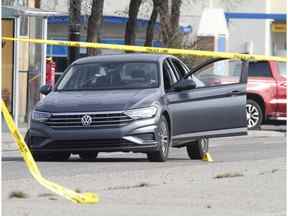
216	107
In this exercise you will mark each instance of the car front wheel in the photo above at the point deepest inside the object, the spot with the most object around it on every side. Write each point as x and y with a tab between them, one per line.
254	114
88	156
51	156
197	149
161	155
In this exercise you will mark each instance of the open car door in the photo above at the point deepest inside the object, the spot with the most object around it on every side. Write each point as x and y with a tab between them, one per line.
215	107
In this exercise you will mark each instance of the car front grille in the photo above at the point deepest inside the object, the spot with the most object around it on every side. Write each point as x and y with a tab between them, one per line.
64	120
86	144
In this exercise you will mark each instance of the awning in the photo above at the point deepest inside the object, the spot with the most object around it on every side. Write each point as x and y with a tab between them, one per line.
16	11
61	20
274	16
62	51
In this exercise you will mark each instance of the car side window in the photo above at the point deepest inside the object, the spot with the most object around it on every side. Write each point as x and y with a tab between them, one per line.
179	69
167	76
259	69
225	72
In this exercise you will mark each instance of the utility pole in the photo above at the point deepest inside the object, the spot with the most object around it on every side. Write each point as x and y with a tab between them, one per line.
74	29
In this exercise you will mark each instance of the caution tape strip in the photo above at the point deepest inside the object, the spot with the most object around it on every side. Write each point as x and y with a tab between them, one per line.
171	51
84	198
34	78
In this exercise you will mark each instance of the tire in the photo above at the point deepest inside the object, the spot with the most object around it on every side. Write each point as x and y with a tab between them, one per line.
51	156
41	156
27	138
46	156
254	114
197	149
88	156
161	155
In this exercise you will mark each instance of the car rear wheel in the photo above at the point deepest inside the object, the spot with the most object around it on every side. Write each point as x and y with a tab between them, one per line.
197	149
88	155
164	142
254	114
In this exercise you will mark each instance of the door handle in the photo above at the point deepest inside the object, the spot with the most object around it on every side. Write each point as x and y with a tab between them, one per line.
235	92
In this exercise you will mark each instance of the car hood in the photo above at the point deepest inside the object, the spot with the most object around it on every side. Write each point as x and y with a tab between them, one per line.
97	101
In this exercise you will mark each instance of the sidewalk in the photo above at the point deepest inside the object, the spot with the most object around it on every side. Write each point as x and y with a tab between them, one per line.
8	142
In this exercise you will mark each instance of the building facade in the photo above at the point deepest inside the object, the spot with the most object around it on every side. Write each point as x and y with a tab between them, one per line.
23	64
258	29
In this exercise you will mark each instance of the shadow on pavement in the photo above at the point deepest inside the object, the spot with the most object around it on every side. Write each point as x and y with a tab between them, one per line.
99	160
12	159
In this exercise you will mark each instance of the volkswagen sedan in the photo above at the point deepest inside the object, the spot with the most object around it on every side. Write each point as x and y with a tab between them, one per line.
138	103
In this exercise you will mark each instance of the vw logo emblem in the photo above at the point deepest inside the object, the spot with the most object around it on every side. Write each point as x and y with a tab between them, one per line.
86	120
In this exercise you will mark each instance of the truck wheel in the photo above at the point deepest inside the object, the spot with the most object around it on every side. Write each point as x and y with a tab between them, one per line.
197	149
254	114
88	156
164	143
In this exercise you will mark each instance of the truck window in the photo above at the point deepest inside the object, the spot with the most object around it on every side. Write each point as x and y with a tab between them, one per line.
259	69
282	67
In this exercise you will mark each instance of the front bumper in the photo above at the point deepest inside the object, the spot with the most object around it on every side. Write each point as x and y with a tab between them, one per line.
279	116
137	136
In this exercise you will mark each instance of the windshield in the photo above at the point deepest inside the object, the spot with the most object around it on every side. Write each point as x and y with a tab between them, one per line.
283	68
105	76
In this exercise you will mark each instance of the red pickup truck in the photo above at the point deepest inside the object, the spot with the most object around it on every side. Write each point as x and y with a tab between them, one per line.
266	92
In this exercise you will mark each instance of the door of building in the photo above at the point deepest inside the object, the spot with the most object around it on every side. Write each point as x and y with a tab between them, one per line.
7	63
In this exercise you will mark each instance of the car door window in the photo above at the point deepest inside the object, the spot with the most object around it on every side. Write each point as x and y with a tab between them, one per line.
179	69
168	78
219	73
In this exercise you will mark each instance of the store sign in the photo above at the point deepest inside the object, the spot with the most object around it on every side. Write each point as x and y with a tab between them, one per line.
279	27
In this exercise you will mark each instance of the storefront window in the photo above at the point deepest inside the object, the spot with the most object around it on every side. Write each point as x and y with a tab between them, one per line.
35	61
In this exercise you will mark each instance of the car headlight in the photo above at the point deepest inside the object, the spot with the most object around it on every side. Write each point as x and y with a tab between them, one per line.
142	113
40	116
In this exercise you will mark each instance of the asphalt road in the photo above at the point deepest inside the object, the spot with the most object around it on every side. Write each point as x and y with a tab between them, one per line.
265	144
222	150
255	156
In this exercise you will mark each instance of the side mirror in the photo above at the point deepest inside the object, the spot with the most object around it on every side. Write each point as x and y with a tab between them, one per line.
45	89
184	84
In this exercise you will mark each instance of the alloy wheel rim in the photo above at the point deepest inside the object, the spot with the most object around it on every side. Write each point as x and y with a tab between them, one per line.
204	144
252	115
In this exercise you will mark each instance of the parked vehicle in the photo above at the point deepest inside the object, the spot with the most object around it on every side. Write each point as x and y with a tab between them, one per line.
266	92
139	103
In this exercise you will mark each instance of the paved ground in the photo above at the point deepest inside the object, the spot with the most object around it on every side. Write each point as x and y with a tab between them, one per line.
130	185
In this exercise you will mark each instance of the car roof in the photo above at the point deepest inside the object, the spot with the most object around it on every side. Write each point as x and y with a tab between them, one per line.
121	58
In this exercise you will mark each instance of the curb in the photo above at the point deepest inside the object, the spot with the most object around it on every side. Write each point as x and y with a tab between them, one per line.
8	143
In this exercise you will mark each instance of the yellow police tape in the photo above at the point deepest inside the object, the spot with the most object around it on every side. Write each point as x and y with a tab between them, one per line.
207	157
171	51
85	198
